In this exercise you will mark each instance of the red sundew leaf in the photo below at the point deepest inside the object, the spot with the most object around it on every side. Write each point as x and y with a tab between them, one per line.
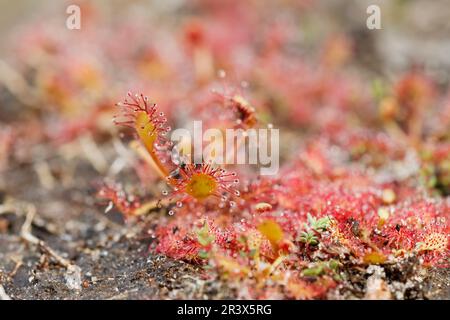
178	243
374	257
414	90
272	231
198	182
114	192
144	118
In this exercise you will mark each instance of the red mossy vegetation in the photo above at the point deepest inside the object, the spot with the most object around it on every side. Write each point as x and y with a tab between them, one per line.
319	213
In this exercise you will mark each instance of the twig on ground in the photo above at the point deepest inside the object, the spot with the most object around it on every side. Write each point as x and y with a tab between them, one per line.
13	272
73	274
26	234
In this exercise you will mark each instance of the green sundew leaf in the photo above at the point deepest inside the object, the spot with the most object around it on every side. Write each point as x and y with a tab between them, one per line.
318	224
322	224
378	89
314	271
242	239
204	237
303	236
203	254
308	237
333	264
242	254
432	181
337	277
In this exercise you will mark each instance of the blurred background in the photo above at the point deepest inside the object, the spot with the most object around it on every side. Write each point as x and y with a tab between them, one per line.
413	31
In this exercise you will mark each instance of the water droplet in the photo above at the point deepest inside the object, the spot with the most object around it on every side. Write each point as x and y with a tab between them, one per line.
237	193
165	192
179	204
171	213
